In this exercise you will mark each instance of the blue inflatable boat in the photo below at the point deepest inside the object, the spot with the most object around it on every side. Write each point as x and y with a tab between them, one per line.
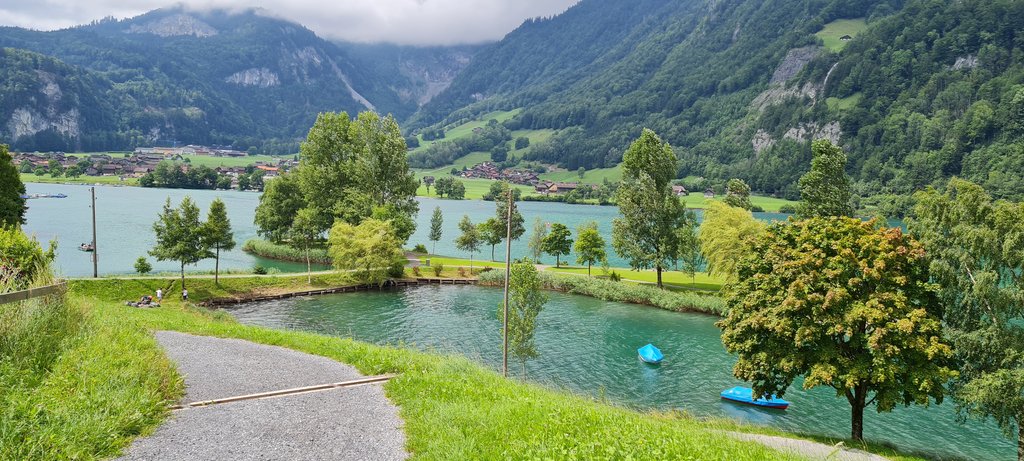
650	354
746	395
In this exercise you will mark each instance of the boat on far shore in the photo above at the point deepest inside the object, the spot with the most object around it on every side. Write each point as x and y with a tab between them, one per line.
86	247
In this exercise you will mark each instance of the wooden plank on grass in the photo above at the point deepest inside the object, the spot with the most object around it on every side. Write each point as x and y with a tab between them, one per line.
30	293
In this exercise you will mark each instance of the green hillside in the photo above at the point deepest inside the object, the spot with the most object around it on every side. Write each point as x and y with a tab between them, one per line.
833	32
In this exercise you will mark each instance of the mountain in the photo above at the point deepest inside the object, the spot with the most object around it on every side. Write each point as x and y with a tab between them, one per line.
218	77
916	91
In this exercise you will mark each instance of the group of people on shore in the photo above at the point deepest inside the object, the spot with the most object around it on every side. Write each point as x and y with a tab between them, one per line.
150	301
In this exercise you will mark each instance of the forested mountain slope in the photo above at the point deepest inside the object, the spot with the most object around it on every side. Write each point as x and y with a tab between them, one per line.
740	87
215	77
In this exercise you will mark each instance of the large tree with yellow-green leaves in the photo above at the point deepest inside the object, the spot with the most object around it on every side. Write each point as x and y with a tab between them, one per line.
977	249
371	250
846	304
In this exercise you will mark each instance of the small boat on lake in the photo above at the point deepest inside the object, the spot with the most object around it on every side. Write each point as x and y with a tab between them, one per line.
650	354
86	247
746	395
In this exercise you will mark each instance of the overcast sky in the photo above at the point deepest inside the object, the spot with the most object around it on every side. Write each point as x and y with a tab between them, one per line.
416	22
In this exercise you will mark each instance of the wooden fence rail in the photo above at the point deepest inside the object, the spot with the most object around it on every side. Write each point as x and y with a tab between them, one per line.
30	293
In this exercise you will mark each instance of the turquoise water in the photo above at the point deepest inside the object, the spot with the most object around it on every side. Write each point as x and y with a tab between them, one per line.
125	217
589	346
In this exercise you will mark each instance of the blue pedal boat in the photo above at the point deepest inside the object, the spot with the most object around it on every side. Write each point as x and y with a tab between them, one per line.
746	395
650	354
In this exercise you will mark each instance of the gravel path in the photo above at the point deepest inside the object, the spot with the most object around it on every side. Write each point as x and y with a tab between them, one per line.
355	423
809	449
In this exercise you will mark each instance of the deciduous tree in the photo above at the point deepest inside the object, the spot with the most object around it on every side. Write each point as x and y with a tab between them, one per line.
645	235
558	242
825	190
536	243
469	240
590	246
526	298
279	204
371	249
977	250
723	236
436	224
492	232
12	205
737	194
847	305
180	235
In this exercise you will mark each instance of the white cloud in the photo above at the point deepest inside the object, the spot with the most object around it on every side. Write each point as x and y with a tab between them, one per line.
415	22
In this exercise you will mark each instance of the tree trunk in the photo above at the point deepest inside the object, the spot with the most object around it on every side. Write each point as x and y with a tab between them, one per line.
857	400
216	268
558	262
492	252
182	276
309	274
658	267
588	268
434	250
471	264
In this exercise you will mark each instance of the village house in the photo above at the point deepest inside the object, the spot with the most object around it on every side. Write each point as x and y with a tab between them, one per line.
679	191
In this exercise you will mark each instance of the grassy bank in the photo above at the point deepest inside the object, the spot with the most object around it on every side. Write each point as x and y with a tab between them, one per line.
270	250
672	279
103	180
76	383
456	409
621	292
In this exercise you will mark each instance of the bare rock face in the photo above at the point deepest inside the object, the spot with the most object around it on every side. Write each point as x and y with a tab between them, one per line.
28	120
260	77
762	140
966	62
794	62
175	25
812	132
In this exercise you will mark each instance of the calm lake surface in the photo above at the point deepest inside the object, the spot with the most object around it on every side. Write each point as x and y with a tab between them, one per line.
125	217
589	346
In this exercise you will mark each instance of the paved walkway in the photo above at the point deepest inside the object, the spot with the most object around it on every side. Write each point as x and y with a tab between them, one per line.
353	423
809	449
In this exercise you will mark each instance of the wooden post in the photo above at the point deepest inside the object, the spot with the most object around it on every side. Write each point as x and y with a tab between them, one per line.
95	250
508	271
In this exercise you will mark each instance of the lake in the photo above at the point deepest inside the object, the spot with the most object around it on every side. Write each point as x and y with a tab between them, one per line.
125	217
589	346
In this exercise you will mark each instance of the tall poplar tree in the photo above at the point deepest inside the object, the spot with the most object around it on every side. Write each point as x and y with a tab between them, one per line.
646	235
12	205
536	243
526	298
217	233
436	223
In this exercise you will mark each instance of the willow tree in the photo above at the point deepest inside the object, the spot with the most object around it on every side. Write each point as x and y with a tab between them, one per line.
977	250
646	234
723	237
371	250
847	305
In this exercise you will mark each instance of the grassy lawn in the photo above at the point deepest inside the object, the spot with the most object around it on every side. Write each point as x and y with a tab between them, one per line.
846	103
214	162
596	176
475	188
701	281
466	129
536	136
832	31
697	200
115	384
458	262
105	180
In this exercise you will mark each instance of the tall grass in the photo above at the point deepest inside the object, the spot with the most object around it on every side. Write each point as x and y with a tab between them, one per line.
270	250
621	292
74	386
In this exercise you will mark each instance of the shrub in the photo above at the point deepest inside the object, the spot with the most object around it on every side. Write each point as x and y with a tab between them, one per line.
416	271
790	209
259	270
756	209
270	250
615	277
22	258
437	269
420	248
621	292
462	272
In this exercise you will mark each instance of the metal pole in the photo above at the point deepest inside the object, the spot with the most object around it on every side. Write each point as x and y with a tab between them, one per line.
508	271
95	250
